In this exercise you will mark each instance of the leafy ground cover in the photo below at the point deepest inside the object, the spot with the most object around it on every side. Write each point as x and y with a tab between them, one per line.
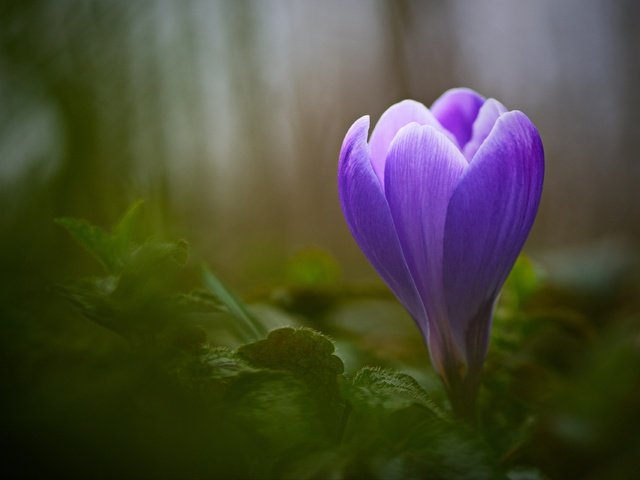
124	373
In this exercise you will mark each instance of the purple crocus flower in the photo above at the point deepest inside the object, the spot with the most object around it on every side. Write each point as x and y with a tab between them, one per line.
441	201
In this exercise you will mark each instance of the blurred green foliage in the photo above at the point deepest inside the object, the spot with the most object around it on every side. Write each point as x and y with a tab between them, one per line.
173	376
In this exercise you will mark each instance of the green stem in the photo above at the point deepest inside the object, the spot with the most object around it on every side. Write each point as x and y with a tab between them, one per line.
463	392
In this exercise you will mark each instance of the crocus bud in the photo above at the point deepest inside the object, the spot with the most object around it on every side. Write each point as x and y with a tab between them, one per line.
441	201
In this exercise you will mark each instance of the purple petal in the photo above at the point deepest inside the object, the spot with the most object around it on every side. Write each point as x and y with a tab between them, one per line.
422	170
487	116
489	217
369	219
456	110
392	120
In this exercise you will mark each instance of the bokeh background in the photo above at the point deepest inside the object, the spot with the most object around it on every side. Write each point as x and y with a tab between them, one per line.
227	117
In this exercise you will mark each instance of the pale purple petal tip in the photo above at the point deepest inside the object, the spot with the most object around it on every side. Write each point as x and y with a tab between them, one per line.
486	119
456	110
391	121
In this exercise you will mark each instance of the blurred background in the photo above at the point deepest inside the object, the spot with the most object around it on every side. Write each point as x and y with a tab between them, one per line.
227	116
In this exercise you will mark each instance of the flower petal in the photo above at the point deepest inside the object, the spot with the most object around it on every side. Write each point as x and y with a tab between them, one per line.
392	120
422	170
487	116
456	110
488	220
369	219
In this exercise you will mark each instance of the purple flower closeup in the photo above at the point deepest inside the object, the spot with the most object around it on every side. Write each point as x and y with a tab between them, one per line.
441	201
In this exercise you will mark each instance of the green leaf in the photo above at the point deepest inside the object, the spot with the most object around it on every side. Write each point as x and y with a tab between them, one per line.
94	240
123	229
278	416
139	301
308	355
275	404
197	301
129	309
398	432
211	366
274	411
92	297
387	390
110	249
153	255
301	351
250	328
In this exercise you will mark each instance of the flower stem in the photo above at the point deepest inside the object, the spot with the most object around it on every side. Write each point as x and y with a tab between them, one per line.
463	392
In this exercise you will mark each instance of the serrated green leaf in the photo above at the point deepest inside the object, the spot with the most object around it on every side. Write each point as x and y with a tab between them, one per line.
400	433
250	328
308	355
387	390
224	363
211	365
301	351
